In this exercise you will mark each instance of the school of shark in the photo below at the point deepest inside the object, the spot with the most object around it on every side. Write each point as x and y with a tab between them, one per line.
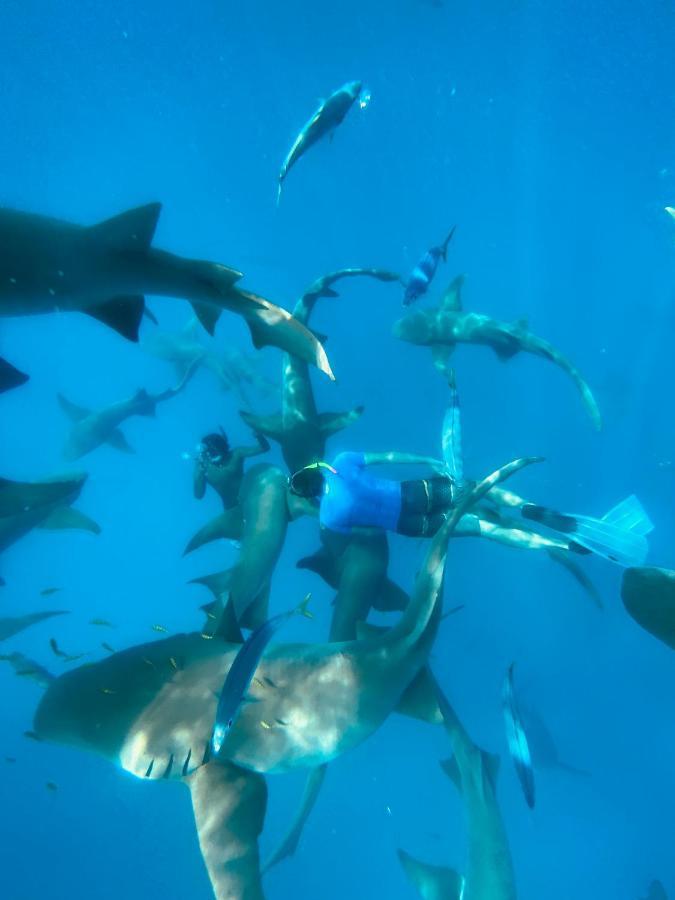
221	708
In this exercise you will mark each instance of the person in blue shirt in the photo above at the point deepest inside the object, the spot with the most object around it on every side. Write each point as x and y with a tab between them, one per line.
353	497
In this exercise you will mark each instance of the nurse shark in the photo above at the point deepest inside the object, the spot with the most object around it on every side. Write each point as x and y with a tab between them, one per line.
299	428
40	504
443	327
106	269
150	710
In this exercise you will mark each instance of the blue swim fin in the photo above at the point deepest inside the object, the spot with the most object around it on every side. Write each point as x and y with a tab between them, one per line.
620	536
452	435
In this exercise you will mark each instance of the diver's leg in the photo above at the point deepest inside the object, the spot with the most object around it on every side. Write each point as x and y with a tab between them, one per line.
426	495
420	525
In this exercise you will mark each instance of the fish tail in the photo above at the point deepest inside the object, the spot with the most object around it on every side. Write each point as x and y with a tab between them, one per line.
302	608
444	249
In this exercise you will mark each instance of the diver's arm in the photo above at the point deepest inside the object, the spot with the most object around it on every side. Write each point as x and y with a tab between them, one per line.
399	459
262	447
198	481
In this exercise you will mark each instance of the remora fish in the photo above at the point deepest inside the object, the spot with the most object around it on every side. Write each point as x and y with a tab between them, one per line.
423	273
517	739
443	327
243	668
106	269
328	116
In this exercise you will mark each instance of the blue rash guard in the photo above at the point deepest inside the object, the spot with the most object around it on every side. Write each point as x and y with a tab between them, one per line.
352	498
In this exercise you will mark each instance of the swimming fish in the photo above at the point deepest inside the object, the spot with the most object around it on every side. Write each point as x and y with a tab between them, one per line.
51	786
55	647
10	759
107	647
103	623
423	273
47	592
243	669
160	628
325	120
517	739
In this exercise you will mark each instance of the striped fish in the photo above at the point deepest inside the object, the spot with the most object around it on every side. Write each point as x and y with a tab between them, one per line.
423	273
517	739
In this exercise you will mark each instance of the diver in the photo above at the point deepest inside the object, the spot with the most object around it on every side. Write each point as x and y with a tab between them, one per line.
221	467
351	497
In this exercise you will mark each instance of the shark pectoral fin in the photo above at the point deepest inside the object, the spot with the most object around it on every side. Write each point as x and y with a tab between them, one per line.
123	314
117	440
67	517
10	377
289	843
323	563
270	426
331	423
218	583
419	699
432	882
563	557
228	525
229	806
74	412
208	314
451	769
391	598
506	350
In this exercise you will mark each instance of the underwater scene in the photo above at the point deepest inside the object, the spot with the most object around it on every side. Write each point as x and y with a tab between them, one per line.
337	462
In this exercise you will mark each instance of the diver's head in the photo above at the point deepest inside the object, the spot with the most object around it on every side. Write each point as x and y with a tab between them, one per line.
215	449
413	328
307	482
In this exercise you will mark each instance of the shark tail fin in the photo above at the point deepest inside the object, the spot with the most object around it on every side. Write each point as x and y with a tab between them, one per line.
10	376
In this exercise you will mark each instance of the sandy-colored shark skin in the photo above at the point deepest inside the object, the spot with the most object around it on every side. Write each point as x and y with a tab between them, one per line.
229	806
299	429
489	873
443	327
106	269
648	594
46	504
316	701
259	522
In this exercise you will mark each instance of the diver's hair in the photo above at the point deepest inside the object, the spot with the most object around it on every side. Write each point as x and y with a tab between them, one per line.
307	482
216	445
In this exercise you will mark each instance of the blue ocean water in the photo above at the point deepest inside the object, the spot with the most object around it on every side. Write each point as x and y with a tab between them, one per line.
544	130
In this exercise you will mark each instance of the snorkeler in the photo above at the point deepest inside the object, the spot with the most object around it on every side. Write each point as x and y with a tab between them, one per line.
222	467
350	497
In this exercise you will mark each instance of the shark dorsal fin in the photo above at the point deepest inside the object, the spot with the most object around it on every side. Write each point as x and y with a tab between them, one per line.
133	229
452	298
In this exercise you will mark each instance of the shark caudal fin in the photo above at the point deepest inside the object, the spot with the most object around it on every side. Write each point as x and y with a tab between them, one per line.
10	377
432	882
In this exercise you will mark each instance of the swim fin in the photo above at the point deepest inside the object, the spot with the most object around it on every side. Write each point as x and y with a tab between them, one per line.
620	536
